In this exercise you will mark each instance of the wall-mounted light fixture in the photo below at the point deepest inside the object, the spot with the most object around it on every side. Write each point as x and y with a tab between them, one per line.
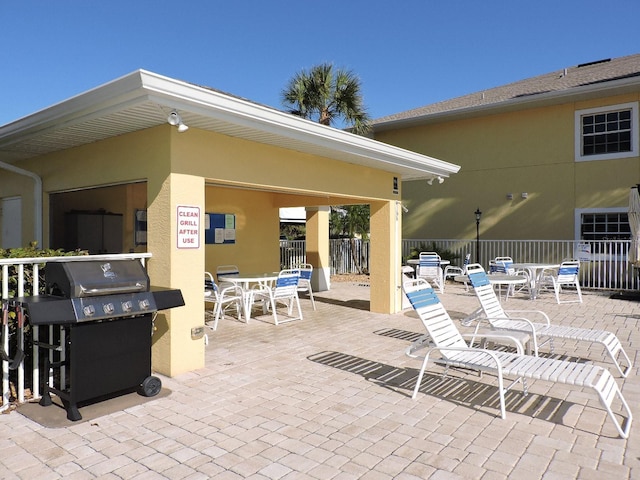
509	196
440	180
525	194
175	119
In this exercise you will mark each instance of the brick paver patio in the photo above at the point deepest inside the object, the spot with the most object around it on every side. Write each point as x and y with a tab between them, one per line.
329	398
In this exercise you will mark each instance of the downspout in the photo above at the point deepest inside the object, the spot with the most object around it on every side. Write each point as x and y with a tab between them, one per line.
37	198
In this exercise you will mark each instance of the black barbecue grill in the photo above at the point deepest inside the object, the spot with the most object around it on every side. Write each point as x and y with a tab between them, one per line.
103	311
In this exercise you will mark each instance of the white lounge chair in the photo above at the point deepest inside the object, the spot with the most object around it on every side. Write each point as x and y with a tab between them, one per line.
502	319
453	351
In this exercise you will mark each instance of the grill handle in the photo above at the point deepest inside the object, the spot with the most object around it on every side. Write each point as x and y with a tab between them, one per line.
106	291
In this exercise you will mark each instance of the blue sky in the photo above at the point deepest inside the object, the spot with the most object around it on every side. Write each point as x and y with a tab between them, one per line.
407	53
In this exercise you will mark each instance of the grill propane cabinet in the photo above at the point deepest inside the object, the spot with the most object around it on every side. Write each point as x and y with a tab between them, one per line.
100	318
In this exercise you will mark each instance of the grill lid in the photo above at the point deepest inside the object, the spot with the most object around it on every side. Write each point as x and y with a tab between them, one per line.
93	278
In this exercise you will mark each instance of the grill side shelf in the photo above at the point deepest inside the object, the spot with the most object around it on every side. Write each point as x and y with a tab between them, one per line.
167	298
47	309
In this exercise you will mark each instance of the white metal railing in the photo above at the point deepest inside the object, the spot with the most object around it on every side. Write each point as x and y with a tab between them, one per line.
603	264
292	253
341	259
25	268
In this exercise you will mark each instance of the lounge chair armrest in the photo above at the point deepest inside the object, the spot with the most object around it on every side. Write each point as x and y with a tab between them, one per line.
496	336
537	312
422	342
481	351
519	319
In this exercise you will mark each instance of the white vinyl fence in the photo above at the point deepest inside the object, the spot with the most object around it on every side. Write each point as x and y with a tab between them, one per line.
603	264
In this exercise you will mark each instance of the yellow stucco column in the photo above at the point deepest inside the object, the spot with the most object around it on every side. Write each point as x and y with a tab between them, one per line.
385	257
177	265
317	245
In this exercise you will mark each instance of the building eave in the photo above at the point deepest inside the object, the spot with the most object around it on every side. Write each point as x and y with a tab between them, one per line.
143	99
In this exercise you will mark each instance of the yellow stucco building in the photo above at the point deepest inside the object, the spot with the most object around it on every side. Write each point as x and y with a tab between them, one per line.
144	150
549	157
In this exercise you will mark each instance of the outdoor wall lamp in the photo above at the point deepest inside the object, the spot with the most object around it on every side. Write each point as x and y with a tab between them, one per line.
440	180
175	119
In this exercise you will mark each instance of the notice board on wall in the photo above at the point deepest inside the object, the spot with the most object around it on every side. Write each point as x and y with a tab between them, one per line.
220	228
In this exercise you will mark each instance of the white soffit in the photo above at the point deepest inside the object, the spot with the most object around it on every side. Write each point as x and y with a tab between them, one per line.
143	100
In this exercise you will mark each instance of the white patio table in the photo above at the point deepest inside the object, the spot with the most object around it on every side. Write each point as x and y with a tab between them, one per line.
498	279
535	274
246	282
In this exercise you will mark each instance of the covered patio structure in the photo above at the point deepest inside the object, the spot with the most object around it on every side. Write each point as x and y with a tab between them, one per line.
200	196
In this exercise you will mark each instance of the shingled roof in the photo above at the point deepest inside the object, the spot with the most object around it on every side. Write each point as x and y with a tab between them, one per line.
563	82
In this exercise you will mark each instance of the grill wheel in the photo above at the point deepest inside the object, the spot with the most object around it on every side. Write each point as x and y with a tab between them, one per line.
151	386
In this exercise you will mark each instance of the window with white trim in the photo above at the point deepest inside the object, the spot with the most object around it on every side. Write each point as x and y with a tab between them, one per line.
607	132
601	230
605	226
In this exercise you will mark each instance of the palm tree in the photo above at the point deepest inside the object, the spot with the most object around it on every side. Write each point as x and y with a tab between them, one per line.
325	95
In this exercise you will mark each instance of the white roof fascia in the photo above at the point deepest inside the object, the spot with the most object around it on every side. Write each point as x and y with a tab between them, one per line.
143	86
252	115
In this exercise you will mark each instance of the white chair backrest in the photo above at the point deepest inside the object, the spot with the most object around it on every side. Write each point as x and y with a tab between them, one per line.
434	317
209	283
568	271
484	291
429	263
501	265
306	271
287	283
227	270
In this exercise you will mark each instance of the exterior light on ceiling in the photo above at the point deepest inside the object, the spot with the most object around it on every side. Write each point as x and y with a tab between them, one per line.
175	119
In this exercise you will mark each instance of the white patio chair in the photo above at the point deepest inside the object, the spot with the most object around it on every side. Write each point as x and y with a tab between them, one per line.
429	269
452	271
228	270
284	291
504	265
453	351
566	275
221	299
304	283
503	319
501	265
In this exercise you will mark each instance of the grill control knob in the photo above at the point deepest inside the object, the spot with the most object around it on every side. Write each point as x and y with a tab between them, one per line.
144	304
89	310
108	308
127	306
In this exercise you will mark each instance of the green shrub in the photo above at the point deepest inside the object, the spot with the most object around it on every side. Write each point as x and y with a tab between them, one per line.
423	247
